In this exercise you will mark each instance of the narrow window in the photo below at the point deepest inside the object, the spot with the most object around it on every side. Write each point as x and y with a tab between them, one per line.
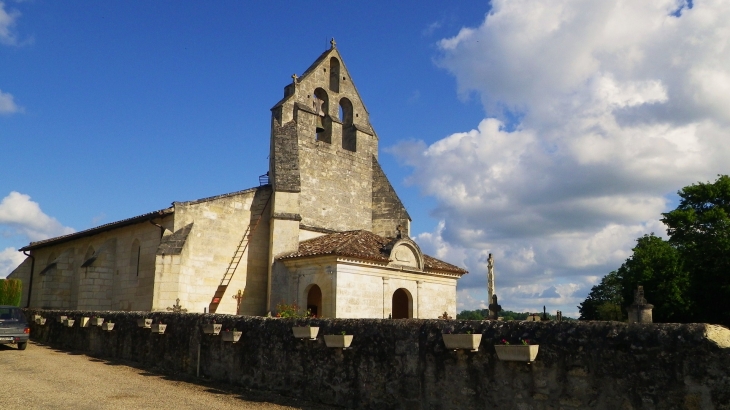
334	75
134	254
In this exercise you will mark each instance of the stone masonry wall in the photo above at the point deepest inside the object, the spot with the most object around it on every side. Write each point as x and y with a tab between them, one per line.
219	224
113	281
403	364
388	210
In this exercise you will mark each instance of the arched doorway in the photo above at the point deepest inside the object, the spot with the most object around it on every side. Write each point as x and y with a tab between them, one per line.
314	301
402	304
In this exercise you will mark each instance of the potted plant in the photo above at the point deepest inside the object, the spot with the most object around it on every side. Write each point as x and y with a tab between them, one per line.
69	322
212	328
342	340
231	336
108	326
159	328
468	340
305	332
62	319
522	352
36	317
41	321
144	323
96	321
84	321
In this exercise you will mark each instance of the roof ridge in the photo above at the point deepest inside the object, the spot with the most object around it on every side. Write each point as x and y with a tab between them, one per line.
348	241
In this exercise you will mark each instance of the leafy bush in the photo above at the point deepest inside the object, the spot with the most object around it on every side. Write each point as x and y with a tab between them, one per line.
10	291
284	310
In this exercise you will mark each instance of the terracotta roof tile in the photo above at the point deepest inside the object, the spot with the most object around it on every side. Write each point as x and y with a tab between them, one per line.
363	245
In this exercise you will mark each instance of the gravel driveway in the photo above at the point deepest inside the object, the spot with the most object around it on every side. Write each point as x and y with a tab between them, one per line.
44	378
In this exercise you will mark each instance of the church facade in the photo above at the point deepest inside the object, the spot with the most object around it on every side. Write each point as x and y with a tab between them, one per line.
327	231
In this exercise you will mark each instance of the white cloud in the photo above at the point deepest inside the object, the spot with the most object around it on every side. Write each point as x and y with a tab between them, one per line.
7	104
10	258
25	217
620	104
7	23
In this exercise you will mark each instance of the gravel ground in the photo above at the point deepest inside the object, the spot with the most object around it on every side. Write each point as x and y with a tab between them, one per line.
41	377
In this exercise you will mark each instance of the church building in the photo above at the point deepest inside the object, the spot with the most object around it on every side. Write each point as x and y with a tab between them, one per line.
325	230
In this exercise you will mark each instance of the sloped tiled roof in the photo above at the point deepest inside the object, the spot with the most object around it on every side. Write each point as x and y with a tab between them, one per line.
129	221
363	245
99	229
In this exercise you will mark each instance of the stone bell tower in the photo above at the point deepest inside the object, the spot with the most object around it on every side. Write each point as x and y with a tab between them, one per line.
324	162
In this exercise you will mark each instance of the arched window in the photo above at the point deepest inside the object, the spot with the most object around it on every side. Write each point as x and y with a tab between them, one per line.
314	301
349	137
134	253
334	75
402	304
321	105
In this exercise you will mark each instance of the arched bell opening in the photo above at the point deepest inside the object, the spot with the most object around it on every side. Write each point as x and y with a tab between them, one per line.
314	300
349	137
402	304
323	125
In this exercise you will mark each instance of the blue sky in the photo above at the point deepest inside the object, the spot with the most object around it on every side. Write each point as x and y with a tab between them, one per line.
552	137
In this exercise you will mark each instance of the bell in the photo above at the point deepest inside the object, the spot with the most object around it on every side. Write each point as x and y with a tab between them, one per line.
320	126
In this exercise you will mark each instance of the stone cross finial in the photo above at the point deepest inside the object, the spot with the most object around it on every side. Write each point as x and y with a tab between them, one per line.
494	309
239	297
294	78
177	307
333	43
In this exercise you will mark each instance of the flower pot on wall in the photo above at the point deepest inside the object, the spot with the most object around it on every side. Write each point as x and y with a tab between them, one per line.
69	322
41	321
462	341
212	328
84	322
144	323
97	321
61	319
108	326
159	328
231	336
517	353
305	332
339	341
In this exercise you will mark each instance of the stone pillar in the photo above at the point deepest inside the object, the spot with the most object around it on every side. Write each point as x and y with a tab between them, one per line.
419	285
283	238
640	310
490	283
386	306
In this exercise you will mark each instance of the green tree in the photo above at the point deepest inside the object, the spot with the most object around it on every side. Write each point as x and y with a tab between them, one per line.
11	291
658	266
700	230
605	300
470	315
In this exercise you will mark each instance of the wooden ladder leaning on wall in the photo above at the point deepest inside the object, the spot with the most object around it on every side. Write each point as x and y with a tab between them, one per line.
236	259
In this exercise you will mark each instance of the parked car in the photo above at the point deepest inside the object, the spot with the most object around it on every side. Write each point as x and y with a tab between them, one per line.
13	327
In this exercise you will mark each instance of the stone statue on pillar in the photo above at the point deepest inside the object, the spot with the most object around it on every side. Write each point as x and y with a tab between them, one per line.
490	282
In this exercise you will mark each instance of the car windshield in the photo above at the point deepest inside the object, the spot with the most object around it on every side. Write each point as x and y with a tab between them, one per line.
11	314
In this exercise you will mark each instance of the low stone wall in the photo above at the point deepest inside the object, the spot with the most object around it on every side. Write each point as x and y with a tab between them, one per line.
404	363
